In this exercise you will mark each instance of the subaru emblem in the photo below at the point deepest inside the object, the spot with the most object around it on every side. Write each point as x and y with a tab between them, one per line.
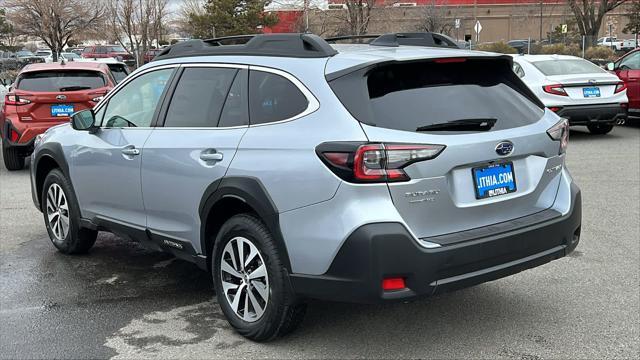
504	148
61	97
592	81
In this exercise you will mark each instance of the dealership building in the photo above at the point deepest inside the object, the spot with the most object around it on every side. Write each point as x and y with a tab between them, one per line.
501	20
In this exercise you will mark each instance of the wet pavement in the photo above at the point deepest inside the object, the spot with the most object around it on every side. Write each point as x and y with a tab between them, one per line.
124	301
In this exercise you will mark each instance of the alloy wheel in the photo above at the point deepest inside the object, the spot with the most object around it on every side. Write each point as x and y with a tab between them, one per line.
57	212
245	281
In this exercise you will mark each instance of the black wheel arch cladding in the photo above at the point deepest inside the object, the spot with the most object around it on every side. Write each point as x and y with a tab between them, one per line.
253	193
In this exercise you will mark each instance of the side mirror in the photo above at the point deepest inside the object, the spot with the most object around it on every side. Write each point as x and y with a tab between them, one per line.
611	66
83	120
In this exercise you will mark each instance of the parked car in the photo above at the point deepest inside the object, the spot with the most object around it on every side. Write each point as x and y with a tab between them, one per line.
629	44
358	174
26	57
149	55
610	41
66	56
521	45
109	51
8	61
627	68
118	69
45	95
75	50
46	54
575	89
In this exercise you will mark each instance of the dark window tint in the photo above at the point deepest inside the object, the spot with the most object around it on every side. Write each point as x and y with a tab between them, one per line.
413	95
101	50
273	98
116	49
118	71
236	107
69	80
199	97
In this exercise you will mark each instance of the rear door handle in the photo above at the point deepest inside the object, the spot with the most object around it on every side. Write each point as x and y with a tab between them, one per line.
131	151
211	155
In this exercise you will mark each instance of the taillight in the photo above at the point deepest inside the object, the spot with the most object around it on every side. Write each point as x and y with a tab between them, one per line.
12	99
366	163
620	87
556	89
560	132
555	108
13	135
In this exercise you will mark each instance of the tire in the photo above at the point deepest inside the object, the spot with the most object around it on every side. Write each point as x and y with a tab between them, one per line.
57	195
281	311
13	160
599	129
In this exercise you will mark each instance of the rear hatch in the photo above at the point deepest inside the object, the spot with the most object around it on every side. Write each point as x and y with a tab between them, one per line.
495	128
54	95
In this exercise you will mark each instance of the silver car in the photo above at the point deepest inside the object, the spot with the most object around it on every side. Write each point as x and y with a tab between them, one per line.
293	169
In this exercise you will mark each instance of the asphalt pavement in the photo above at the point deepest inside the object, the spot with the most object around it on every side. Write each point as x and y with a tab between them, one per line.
124	301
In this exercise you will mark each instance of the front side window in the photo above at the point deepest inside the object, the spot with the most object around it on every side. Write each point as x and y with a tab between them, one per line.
135	104
199	97
273	98
631	62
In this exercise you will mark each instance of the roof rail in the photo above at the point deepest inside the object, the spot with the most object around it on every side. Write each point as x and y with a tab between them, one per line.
397	39
284	45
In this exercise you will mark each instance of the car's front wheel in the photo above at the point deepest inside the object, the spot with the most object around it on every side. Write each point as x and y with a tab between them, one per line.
251	281
13	159
600	129
62	216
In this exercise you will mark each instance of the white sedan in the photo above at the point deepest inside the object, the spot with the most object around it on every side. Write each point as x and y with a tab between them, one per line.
575	89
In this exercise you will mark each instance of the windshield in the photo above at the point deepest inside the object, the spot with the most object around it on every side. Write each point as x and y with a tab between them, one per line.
566	67
116	49
70	56
43	53
24	53
67	80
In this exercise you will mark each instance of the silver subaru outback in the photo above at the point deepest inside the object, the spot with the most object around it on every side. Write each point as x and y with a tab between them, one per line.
293	169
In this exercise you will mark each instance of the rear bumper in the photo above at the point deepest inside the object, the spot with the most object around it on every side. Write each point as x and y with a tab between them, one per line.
28	133
593	114
377	251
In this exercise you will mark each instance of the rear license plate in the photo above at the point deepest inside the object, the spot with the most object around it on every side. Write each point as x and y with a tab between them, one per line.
61	110
591	92
494	180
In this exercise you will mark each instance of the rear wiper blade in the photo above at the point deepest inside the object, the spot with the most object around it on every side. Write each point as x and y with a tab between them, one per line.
74	88
461	125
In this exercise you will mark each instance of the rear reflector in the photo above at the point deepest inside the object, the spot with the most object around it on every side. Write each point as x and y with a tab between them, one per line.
13	135
555	108
390	284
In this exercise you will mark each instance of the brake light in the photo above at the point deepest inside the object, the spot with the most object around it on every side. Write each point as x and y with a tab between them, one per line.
555	108
377	162
560	132
620	87
13	135
556	89
449	60
12	99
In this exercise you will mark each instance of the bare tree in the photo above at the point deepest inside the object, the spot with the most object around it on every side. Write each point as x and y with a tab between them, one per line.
590	13
436	19
188	10
138	22
54	21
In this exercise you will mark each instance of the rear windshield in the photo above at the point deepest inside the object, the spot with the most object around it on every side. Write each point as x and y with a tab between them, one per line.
68	80
566	67
408	96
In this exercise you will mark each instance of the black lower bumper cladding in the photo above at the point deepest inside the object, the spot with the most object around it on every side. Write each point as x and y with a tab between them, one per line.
590	114
383	250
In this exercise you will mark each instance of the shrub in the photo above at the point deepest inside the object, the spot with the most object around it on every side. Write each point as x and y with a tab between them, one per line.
561	49
497	47
600	53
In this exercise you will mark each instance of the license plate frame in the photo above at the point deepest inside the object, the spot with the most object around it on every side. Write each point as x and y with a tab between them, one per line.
502	188
591	92
62	110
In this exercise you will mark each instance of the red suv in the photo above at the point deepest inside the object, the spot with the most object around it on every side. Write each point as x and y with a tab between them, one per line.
628	70
45	95
109	51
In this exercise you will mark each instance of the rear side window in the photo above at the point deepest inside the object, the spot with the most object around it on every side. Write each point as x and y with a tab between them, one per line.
566	67
236	107
273	98
409	96
118	71
199	97
55	81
